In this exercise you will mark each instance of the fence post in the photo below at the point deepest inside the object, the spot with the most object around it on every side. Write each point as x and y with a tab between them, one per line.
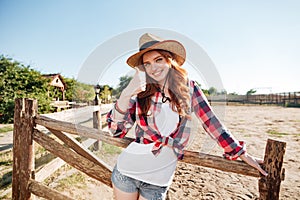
269	186
97	124
23	150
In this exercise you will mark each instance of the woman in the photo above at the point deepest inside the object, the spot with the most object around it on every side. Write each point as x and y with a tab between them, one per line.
160	100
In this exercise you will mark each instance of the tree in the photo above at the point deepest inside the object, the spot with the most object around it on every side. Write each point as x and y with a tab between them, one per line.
70	86
19	81
206	92
79	92
212	91
124	81
223	92
106	93
250	92
82	92
233	93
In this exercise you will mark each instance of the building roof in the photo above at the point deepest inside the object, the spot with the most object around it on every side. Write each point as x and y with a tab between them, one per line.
56	80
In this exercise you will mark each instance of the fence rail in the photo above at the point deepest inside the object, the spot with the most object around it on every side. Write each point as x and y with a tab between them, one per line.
284	98
72	152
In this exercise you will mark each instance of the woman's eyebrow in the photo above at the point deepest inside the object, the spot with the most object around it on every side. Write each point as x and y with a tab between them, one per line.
157	57
153	59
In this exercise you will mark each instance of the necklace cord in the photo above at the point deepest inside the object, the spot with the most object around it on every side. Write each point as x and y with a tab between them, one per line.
165	98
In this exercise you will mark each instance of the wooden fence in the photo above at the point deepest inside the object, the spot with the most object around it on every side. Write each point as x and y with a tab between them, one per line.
24	182
284	98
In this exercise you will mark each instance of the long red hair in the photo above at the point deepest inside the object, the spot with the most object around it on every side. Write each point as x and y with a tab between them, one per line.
178	87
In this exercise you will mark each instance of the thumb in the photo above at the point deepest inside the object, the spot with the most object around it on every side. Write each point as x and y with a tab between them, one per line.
137	70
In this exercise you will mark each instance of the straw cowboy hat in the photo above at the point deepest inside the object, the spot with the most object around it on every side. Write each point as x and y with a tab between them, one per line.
150	42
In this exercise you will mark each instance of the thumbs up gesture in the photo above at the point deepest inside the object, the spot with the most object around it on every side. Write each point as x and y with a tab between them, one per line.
135	86
137	83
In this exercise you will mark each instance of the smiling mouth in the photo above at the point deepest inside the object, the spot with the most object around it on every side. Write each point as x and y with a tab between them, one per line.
157	73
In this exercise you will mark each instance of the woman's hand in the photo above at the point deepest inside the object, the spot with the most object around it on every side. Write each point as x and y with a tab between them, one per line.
137	83
135	86
254	162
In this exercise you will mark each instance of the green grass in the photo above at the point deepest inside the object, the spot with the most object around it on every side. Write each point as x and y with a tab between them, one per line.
248	135
6	129
6	180
75	179
110	149
276	133
39	150
6	161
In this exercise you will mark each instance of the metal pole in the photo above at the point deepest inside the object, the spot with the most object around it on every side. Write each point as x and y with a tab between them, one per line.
97	116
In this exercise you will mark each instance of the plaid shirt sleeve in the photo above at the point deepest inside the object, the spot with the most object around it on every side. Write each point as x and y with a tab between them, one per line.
232	147
119	128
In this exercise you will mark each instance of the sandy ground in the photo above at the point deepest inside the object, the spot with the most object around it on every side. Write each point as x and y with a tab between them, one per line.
253	124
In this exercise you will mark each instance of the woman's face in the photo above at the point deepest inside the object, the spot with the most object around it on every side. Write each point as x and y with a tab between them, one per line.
156	66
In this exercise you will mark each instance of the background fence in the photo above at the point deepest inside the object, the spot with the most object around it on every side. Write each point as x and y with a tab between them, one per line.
284	99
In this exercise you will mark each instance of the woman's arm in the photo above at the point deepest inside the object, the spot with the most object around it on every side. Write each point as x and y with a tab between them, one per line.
232	147
212	125
120	122
254	162
122	117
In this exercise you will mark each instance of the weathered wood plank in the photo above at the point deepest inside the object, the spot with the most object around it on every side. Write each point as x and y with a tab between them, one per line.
77	147
75	160
41	190
191	157
49	169
23	151
84	131
269	187
97	124
217	162
57	163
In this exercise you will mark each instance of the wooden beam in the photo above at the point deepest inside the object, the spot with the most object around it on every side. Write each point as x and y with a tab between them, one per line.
23	150
77	161
190	157
84	131
49	169
217	162
97	124
78	148
55	164
41	190
269	187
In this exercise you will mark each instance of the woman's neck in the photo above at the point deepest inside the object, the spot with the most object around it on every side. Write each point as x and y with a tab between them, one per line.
163	86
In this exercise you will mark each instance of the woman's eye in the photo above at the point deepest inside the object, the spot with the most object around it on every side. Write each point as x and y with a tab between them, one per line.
159	60
146	65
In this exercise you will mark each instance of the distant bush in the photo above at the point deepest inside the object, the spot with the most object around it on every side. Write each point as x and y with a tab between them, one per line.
292	105
19	81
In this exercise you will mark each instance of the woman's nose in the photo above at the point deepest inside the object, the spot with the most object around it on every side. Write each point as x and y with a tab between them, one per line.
153	66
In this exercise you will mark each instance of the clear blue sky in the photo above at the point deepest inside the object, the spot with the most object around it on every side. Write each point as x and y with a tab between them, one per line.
253	44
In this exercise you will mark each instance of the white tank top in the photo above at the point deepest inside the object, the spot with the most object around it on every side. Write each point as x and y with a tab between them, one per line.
138	162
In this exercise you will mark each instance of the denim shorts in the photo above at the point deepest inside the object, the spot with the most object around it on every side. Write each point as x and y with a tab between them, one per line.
130	185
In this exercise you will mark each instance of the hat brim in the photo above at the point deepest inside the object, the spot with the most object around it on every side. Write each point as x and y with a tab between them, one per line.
176	48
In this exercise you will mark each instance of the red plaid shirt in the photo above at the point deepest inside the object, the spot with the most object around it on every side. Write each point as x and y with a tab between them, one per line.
147	132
